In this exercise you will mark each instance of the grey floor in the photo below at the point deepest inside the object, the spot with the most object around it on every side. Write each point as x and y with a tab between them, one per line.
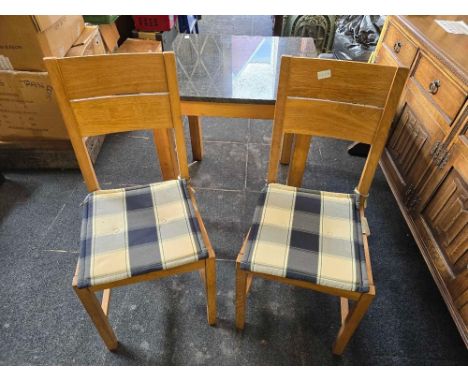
163	322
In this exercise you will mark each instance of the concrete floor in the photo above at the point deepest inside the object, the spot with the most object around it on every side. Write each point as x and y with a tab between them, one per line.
164	322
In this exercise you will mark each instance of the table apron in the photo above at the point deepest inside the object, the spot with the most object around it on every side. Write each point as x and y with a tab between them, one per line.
227	109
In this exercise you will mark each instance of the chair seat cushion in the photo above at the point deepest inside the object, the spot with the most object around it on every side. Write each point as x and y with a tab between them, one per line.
131	231
307	235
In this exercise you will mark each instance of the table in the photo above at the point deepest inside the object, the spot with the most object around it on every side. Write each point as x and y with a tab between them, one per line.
232	76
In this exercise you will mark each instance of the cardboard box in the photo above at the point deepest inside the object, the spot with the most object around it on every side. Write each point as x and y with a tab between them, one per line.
28	108
135	45
110	36
88	44
25	40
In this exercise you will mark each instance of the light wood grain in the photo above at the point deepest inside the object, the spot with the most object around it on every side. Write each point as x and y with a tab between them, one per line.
97	116
162	142
338	107
381	134
196	136
277	133
331	119
98	316
105	302
349	81
103	75
151	101
173	86
286	148
299	159
78	141
227	109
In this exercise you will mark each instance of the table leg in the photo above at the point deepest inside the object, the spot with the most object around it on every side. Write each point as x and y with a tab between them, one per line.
299	159
196	137
286	150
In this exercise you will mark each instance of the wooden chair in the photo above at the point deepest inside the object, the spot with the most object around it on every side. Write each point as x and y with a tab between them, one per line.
312	239
139	233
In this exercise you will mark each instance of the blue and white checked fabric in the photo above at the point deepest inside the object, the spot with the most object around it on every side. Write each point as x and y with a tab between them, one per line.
131	231
308	235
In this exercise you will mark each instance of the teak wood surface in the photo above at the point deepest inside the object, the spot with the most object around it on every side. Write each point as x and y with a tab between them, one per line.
424	159
353	101
100	95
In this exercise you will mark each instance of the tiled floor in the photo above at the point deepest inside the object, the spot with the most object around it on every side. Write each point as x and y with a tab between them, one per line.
163	322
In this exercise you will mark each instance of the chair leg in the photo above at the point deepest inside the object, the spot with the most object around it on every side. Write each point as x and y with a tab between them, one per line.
351	322
249	284
210	283
241	296
97	315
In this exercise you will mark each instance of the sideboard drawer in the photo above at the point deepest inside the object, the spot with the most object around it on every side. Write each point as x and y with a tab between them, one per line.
385	57
402	48
438	87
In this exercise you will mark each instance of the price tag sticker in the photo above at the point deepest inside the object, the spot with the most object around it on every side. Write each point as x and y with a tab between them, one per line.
324	74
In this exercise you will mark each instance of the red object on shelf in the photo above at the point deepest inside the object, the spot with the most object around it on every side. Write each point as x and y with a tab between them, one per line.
154	23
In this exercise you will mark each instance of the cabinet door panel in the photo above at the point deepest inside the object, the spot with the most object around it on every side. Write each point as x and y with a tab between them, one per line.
445	214
413	143
407	141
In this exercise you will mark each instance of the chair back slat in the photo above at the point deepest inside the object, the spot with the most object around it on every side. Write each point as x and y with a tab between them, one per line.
313	116
112	74
97	116
336	99
343	81
107	94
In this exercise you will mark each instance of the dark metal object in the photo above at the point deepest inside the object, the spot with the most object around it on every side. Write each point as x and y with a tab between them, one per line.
434	86
320	27
397	47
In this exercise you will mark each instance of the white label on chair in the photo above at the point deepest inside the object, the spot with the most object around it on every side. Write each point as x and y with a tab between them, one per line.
324	74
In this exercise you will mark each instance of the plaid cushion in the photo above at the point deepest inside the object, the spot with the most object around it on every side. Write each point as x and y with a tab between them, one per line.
307	235
130	231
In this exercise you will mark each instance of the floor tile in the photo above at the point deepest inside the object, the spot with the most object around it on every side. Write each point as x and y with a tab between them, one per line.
222	167
225	129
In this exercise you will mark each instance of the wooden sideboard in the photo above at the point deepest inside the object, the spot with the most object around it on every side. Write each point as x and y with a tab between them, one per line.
426	157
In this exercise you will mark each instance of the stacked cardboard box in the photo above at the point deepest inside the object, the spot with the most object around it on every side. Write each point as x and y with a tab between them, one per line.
25	40
110	36
28	109
29	115
88	44
135	45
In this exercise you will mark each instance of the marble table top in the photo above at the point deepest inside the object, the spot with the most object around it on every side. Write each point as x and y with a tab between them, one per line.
226	68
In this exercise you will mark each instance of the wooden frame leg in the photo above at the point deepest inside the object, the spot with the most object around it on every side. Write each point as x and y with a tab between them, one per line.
241	296
249	284
210	284
299	160
286	149
97	315
196	137
351	321
165	147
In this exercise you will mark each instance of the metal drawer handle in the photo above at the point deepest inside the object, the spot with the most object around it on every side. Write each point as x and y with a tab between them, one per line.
434	86
397	47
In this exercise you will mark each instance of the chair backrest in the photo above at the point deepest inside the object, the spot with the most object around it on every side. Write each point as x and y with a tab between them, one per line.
106	94
337	99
